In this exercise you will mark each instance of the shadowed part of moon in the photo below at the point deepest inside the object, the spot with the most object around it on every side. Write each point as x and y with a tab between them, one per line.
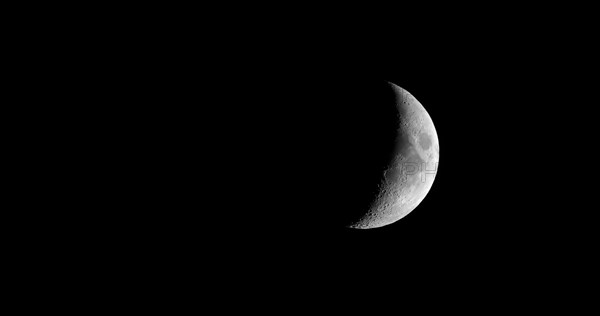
408	175
360	150
357	139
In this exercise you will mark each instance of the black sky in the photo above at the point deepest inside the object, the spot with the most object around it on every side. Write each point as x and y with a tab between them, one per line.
247	141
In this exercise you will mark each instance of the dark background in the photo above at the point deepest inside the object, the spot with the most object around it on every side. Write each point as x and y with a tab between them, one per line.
222	153
262	148
251	169
254	137
237	147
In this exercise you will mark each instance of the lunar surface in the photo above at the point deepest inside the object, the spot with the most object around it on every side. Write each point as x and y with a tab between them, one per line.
411	171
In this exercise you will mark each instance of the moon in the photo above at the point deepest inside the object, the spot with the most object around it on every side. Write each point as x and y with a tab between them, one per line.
412	168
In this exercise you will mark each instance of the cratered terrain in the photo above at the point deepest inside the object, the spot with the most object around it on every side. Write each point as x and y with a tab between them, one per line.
371	157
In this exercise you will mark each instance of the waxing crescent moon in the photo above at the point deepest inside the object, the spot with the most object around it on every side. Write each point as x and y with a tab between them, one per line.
412	169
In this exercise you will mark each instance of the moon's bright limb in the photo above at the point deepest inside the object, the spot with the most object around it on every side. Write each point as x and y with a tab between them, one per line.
411	173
